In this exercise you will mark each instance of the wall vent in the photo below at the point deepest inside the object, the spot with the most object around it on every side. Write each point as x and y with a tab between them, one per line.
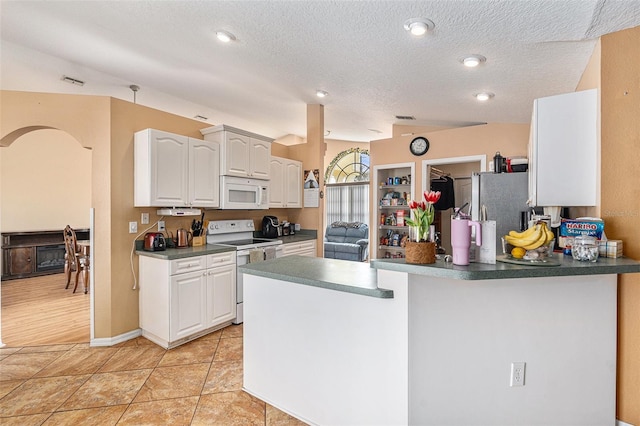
73	80
405	117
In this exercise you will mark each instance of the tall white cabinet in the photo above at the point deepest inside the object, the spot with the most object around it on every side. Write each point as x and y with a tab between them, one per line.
286	183
563	150
243	154
182	299
175	171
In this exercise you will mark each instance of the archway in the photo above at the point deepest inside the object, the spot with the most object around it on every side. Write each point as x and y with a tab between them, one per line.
46	184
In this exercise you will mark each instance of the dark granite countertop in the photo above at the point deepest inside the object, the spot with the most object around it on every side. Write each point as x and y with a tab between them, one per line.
174	253
299	236
361	278
179	253
481	271
333	274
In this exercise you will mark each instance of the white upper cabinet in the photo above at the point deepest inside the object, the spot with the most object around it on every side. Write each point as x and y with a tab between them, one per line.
160	172
276	185
260	155
242	154
286	183
293	184
204	173
563	150
175	171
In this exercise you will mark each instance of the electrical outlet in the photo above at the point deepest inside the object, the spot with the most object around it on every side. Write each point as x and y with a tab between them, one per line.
144	218
133	227
161	227
517	374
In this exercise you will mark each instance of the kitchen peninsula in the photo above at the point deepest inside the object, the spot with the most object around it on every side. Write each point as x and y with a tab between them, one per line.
336	342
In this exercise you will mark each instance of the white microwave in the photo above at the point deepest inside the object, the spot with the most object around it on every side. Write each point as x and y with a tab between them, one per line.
238	193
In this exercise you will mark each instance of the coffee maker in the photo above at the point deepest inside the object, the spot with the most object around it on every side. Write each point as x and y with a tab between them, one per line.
270	227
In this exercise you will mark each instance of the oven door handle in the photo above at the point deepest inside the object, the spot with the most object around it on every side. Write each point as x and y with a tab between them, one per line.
244	252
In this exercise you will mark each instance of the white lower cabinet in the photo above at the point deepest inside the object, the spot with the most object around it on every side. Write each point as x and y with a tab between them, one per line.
304	248
187	312
221	290
183	299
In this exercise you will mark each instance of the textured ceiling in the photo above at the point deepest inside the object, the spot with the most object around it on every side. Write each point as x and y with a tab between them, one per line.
358	51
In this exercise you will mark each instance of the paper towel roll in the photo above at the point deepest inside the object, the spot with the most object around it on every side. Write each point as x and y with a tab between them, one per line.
554	213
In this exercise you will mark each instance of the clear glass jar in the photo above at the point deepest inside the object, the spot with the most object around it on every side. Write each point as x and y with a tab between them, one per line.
585	248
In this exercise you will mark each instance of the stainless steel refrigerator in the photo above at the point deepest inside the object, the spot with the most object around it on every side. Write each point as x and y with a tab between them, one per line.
504	195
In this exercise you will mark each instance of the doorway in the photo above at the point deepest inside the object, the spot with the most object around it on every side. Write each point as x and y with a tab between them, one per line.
459	171
45	183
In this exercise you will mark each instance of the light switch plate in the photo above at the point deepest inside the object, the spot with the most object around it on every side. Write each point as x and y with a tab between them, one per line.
133	227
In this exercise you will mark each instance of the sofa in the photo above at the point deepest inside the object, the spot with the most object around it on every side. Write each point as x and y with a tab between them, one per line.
347	241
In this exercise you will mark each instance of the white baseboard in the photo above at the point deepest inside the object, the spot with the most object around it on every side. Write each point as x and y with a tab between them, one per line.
621	423
110	341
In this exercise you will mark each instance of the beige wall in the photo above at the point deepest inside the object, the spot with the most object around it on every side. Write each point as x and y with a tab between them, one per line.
510	139
86	119
50	169
620	157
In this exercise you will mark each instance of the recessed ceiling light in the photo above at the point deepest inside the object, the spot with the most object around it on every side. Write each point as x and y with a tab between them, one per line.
321	93
225	36
472	61
484	96
418	26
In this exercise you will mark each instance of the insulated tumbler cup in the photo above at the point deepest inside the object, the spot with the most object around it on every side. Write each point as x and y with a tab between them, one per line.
461	239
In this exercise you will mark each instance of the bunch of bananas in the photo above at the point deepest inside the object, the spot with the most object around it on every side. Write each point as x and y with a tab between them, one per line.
534	237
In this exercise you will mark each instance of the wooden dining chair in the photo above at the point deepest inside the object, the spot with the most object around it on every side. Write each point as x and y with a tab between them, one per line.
75	260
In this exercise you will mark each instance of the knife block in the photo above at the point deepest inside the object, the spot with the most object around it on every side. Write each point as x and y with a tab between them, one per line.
199	241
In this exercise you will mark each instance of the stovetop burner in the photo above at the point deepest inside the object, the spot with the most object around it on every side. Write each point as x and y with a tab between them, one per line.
236	233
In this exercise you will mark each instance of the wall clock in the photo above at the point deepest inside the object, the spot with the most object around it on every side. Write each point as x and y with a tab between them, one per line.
419	146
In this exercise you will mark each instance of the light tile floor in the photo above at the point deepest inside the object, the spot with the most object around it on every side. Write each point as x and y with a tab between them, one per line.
134	383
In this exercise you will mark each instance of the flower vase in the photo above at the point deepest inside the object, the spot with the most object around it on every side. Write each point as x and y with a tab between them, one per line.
418	249
423	252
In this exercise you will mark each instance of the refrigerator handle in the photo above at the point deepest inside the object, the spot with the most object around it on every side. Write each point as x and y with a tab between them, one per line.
475	196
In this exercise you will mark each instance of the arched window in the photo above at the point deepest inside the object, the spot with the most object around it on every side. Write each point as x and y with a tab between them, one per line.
351	165
347	187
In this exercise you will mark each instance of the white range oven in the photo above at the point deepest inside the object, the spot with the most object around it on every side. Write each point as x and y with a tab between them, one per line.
239	234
